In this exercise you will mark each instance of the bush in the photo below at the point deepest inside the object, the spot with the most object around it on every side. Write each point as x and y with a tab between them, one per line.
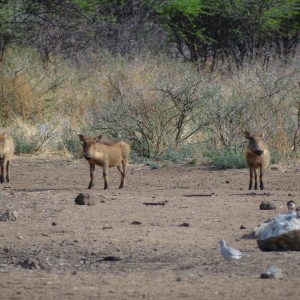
160	106
180	154
24	145
227	159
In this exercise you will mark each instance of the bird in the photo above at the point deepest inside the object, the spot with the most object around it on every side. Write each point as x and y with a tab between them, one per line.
291	205
229	253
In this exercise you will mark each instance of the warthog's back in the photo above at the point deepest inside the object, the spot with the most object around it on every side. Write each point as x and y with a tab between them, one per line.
114	152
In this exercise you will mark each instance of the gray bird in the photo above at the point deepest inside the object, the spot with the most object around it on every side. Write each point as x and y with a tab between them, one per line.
291	205
228	252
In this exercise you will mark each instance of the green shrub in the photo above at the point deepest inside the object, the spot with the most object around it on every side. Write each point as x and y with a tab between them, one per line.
72	144
24	145
275	157
227	159
153	165
183	153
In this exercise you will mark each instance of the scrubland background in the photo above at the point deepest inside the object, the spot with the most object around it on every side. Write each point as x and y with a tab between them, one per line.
181	81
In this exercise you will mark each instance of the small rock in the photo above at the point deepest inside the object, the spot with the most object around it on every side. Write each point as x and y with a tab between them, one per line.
28	264
54	223
9	215
84	199
243	227
111	258
106	227
266	205
136	223
184	225
272	273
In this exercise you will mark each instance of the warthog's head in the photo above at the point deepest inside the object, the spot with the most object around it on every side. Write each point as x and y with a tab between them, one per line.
256	143
89	145
3	144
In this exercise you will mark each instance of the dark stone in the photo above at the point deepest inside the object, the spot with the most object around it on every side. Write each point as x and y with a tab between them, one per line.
266	205
284	242
272	273
111	258
28	264
84	199
184	225
136	223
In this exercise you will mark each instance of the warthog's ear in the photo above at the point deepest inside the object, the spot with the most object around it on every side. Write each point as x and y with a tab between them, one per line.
247	135
81	137
98	138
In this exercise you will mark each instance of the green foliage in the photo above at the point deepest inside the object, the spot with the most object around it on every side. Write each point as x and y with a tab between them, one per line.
24	145
9	9
276	157
179	154
153	165
188	8
71	143
227	158
231	28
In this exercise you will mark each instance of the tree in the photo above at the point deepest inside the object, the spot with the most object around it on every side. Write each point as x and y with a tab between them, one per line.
236	29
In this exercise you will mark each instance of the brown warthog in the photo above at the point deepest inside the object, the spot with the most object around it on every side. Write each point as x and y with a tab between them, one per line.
257	157
7	148
105	155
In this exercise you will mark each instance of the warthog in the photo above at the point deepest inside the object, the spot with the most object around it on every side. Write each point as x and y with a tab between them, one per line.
105	155
257	157
7	148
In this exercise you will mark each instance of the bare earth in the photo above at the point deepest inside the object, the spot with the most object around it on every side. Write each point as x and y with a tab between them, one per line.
58	250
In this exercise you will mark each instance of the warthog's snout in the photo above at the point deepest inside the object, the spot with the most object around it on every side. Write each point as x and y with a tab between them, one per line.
88	157
259	152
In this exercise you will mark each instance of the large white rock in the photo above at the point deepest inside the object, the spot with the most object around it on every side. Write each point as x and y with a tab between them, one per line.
282	233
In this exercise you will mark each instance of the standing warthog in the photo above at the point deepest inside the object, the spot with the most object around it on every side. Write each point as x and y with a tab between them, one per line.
7	148
257	157
105	155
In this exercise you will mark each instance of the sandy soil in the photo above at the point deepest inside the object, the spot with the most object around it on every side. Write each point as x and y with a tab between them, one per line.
59	250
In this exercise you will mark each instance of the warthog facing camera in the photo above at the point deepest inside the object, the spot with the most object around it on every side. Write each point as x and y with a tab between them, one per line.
257	157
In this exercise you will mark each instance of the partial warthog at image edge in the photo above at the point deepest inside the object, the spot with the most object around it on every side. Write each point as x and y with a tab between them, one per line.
257	157
7	148
105	155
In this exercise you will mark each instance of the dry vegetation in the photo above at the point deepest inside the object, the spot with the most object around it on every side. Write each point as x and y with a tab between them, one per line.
157	104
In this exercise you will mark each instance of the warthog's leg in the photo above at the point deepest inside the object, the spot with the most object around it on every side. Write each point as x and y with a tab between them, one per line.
261	173
105	176
92	175
251	178
7	171
122	168
2	172
255	178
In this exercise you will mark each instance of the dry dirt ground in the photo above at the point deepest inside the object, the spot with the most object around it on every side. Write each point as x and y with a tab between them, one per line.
59	250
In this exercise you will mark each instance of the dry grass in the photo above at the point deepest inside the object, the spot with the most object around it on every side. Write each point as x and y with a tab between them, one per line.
56	103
